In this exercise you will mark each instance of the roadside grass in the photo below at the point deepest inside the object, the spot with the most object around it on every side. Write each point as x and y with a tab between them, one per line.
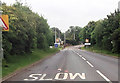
16	62
101	51
60	48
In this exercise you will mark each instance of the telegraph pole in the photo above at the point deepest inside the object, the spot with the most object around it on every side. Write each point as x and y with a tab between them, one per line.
55	35
59	33
64	39
74	34
119	5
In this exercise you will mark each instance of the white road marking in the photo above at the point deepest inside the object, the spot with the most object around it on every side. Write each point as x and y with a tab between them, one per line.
80	55
83	58
103	76
72	77
89	64
59	69
65	76
26	79
33	76
43	77
57	77
77	53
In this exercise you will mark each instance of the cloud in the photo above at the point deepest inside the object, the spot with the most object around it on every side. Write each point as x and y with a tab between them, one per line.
64	13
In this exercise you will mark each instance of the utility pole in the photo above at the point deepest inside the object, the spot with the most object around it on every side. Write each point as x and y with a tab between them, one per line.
59	33
55	35
119	5
64	39
74	34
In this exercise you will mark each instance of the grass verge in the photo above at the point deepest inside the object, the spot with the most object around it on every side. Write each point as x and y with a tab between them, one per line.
19	61
101	51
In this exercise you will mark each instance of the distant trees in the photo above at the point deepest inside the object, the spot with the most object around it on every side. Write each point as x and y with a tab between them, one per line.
28	30
104	33
72	35
59	34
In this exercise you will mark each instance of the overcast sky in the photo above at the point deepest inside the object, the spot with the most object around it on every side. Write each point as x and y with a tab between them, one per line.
65	13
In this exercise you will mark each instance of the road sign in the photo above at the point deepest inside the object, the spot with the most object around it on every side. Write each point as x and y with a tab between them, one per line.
4	22
86	40
56	45
57	40
87	44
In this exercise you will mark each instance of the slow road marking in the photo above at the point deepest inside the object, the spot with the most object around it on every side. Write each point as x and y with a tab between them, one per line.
65	76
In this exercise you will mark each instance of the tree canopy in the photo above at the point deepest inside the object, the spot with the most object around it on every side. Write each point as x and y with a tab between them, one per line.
28	30
104	34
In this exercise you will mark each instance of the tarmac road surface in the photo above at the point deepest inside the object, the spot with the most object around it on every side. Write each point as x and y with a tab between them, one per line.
72	64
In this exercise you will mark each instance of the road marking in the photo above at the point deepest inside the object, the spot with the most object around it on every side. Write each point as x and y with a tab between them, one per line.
65	75
103	76
89	64
58	76
33	76
43	77
59	69
77	53
80	55
83	58
72	77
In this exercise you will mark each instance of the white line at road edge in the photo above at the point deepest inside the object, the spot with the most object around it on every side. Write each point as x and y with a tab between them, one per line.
103	76
89	64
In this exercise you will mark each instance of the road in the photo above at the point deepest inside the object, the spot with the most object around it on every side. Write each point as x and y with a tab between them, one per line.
72	64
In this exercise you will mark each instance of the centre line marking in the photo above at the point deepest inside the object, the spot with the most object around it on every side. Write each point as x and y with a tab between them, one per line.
103	76
80	55
89	64
83	58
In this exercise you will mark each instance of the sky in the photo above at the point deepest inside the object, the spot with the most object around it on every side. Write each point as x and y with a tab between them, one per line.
65	13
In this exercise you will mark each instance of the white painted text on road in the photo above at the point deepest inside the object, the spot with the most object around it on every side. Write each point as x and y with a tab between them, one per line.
58	76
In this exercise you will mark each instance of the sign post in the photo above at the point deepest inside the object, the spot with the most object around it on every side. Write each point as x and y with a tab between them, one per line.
87	43
1	50
4	26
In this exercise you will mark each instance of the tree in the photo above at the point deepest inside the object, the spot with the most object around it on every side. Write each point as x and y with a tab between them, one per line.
28	30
